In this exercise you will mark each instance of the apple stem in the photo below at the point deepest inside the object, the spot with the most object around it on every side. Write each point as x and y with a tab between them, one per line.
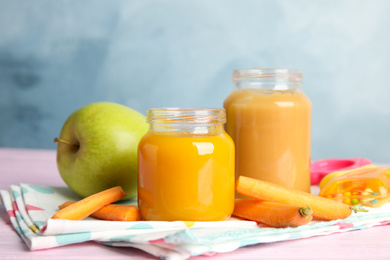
65	142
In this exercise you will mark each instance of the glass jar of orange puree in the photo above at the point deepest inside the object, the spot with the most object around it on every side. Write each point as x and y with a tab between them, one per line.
269	119
186	166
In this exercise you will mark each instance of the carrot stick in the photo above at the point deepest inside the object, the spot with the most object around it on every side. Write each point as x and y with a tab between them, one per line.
85	207
113	212
273	214
323	208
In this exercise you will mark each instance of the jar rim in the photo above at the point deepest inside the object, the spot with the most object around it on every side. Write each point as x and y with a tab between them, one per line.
186	115
267	74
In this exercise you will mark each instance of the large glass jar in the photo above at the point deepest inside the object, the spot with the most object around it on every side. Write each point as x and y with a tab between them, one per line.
269	119
186	166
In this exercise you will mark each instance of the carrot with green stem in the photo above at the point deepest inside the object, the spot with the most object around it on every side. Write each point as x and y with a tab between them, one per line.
112	212
85	207
323	208
272	214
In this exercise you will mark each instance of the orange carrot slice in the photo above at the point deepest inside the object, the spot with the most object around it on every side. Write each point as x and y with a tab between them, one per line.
323	208
273	214
113	212
85	207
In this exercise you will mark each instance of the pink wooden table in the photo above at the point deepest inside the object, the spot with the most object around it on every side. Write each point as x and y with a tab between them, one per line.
39	167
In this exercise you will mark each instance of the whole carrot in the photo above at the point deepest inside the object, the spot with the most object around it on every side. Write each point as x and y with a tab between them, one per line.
323	208
85	207
113	212
273	214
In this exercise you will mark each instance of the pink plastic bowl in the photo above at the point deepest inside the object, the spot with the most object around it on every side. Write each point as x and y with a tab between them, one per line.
321	168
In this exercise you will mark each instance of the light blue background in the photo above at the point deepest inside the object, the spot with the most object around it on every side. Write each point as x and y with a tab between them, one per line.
56	56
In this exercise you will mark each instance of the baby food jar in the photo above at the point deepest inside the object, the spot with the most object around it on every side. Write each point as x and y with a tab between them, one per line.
269	119
186	166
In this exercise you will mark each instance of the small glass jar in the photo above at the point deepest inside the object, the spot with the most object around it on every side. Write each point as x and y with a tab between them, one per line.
186	166
269	119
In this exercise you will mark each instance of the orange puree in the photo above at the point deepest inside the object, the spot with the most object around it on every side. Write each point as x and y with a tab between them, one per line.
271	131
186	177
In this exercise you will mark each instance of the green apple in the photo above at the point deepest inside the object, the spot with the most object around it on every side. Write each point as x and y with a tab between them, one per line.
97	148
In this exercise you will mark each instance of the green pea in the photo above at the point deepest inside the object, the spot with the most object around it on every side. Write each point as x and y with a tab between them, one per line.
354	201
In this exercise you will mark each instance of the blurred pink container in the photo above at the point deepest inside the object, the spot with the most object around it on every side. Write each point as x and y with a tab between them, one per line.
321	168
